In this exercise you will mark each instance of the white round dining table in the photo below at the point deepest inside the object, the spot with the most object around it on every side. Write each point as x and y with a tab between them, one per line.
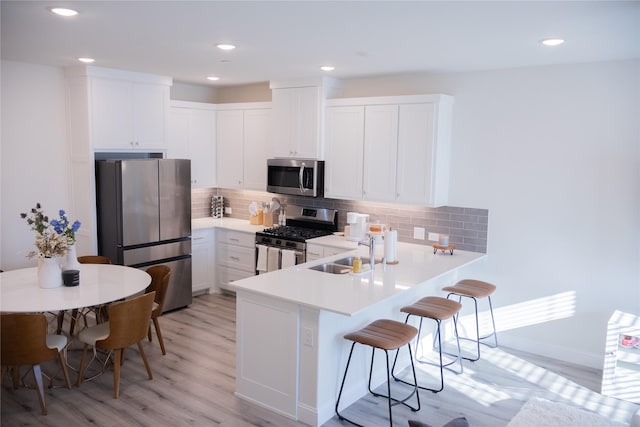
99	284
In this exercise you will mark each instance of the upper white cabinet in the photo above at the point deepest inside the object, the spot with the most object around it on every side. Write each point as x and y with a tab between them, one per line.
192	133
128	115
296	122
389	149
243	138
344	147
298	117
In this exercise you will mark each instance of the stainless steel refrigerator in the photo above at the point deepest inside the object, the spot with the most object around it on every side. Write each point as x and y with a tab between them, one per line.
144	218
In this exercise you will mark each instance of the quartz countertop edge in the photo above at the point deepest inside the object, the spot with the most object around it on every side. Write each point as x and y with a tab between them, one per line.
349	294
228	223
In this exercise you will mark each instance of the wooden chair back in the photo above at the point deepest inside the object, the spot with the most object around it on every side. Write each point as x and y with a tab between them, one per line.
93	259
128	322
24	340
160	275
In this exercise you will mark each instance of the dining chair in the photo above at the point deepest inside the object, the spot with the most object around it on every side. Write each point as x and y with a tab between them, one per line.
160	275
127	325
24	341
85	259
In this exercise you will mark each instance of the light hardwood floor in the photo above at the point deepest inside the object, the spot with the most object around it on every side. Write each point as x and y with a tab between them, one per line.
193	385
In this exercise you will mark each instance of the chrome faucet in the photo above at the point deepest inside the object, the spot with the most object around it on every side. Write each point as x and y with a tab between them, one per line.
371	243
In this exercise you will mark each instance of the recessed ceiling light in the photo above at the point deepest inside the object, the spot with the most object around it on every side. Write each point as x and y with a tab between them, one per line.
226	46
63	12
213	78
86	60
552	42
327	68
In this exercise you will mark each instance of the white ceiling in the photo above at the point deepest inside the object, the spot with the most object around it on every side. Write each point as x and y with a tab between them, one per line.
282	40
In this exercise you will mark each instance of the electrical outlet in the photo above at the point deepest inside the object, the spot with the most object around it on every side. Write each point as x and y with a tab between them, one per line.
228	210
418	233
307	337
434	237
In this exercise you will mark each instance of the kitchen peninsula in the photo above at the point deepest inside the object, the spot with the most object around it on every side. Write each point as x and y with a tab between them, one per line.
291	354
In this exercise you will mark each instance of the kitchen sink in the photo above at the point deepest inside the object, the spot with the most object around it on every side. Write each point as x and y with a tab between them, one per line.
332	268
349	261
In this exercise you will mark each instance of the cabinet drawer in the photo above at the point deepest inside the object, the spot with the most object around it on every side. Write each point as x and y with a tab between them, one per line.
236	238
227	275
236	256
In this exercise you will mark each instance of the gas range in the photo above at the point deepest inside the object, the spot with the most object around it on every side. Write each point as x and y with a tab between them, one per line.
302	224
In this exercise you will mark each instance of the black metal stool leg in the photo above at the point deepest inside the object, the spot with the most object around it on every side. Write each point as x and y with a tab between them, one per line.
479	339
346	369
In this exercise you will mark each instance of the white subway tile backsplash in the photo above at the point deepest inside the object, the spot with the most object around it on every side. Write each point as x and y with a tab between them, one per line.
466	227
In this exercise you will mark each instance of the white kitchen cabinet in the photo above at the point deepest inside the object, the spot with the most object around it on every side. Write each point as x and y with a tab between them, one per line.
128	115
344	146
296	120
380	152
235	256
243	137
203	261
192	136
298	116
404	143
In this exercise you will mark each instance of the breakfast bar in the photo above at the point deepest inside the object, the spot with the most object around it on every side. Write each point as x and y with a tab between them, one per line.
291	322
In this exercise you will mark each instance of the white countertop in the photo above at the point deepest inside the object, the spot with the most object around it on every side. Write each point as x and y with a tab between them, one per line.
230	223
334	241
349	294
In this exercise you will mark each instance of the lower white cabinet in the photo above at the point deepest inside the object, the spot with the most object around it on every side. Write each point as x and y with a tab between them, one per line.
235	256
203	261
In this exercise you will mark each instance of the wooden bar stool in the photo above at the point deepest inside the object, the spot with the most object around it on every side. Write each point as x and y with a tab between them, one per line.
437	309
475	289
385	335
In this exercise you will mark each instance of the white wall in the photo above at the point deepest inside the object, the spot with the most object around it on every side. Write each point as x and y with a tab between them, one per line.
554	154
33	154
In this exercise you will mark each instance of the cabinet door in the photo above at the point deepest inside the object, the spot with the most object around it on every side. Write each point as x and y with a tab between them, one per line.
284	103
306	143
178	147
111	114
380	152
229	152
150	108
203	261
202	150
415	153
296	120
344	147
257	140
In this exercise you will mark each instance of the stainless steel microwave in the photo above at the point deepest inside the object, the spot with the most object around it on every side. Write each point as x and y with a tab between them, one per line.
299	177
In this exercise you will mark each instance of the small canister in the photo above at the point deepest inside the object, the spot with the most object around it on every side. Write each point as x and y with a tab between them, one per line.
71	277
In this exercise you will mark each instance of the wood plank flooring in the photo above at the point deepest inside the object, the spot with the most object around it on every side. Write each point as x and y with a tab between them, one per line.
194	384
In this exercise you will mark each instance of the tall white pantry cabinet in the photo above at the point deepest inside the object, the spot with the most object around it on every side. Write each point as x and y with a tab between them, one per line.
109	110
389	149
